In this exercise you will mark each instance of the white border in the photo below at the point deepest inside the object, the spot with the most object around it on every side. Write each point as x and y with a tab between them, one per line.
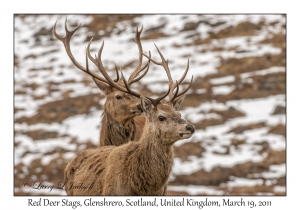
153	6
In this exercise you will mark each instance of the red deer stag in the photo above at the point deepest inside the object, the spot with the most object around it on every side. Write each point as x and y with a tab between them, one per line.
121	120
137	167
165	64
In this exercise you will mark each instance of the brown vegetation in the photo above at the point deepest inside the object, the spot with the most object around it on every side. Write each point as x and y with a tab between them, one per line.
279	129
41	134
277	40
59	110
241	128
219	175
248	64
189	149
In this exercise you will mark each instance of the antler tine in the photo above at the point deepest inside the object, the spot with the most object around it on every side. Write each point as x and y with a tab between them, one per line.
117	72
155	102
141	76
181	79
139	67
66	41
175	95
173	85
89	53
165	64
185	72
128	88
97	61
187	88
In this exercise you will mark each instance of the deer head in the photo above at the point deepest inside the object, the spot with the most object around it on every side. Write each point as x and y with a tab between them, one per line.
119	104
164	120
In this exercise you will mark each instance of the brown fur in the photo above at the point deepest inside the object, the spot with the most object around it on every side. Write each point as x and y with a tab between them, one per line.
135	168
139	122
118	125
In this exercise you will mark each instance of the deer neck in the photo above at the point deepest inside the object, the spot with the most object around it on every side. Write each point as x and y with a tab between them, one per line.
153	161
114	132
152	139
154	136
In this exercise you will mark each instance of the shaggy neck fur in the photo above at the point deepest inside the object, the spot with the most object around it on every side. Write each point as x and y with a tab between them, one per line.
116	133
152	162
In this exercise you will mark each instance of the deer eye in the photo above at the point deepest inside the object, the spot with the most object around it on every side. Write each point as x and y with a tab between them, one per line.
118	97
162	118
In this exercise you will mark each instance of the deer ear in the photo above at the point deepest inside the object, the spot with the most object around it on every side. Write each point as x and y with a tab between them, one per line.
177	102
102	86
146	104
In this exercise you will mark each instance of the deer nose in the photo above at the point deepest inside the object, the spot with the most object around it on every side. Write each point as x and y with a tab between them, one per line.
190	128
140	108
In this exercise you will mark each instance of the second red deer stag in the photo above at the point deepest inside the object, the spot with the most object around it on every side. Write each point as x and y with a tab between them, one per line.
121	120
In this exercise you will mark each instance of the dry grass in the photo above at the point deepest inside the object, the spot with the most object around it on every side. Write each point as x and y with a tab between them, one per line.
232	66
279	129
241	128
41	134
154	35
219	175
189	149
278	40
242	29
59	110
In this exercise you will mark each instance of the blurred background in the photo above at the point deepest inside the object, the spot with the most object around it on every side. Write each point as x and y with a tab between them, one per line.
237	102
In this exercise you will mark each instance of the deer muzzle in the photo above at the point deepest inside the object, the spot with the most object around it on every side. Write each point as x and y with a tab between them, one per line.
190	128
188	132
136	110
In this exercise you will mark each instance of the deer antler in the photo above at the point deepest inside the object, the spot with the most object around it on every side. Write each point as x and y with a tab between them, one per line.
97	60
164	63
66	41
155	102
139	67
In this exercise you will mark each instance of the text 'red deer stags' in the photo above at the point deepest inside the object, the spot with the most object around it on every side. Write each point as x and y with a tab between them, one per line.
137	167
118	125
